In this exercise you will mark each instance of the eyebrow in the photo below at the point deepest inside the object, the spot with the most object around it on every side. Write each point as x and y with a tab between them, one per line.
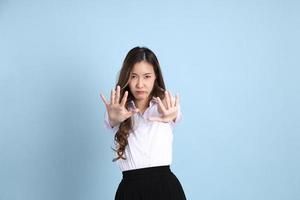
143	74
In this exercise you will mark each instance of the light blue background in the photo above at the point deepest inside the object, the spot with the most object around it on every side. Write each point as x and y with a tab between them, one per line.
234	63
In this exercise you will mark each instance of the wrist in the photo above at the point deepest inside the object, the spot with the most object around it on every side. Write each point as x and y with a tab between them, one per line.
113	123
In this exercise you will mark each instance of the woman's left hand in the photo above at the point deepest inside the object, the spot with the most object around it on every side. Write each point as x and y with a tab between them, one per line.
168	109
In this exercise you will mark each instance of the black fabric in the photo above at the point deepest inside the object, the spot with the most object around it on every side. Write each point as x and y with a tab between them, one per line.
153	183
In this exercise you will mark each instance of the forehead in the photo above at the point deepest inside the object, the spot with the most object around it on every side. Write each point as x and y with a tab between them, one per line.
142	67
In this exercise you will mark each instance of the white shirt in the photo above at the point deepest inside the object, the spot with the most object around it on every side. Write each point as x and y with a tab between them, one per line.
150	143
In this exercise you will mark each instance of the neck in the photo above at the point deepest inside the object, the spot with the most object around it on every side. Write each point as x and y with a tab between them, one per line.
142	104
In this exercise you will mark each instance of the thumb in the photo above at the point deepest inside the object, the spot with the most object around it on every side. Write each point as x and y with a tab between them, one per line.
130	113
135	111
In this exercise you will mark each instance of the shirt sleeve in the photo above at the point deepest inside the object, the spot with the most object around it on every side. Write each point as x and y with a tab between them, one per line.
178	118
107	123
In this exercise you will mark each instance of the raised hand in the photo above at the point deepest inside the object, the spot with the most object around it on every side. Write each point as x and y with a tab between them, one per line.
168	108
116	110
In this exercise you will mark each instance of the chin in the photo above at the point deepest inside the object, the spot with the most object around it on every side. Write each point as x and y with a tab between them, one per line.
141	97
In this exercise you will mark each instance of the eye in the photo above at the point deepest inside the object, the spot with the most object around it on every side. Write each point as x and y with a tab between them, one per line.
133	76
148	76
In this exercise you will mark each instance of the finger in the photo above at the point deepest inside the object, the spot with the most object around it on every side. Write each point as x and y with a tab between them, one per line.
165	102
117	100
161	105
171	99
177	100
156	100
124	99
112	96
167	99
104	100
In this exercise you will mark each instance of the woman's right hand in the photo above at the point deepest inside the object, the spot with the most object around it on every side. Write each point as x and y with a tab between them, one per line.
116	110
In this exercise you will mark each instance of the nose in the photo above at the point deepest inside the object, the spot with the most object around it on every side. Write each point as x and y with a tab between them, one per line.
140	83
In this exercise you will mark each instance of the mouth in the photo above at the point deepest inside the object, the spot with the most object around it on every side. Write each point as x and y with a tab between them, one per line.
140	92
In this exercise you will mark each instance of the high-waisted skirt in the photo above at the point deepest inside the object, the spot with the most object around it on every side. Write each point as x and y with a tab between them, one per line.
153	183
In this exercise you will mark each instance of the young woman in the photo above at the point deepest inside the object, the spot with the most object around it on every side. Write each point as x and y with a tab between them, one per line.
142	114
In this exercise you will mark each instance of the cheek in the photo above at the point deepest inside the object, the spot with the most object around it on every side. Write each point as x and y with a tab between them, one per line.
151	83
131	85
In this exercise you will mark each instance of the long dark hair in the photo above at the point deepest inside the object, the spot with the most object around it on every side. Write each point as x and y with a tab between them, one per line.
135	55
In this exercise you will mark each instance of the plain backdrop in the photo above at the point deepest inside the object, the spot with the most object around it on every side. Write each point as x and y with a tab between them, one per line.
235	65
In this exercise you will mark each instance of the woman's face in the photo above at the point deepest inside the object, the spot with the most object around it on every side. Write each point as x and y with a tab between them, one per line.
141	80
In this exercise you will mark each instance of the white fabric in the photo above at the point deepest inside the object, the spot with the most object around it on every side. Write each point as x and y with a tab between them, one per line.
150	143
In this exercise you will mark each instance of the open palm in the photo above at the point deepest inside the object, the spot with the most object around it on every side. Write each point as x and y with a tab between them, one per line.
117	112
168	108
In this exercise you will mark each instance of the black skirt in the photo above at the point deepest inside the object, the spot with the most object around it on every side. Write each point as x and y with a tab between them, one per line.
153	183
